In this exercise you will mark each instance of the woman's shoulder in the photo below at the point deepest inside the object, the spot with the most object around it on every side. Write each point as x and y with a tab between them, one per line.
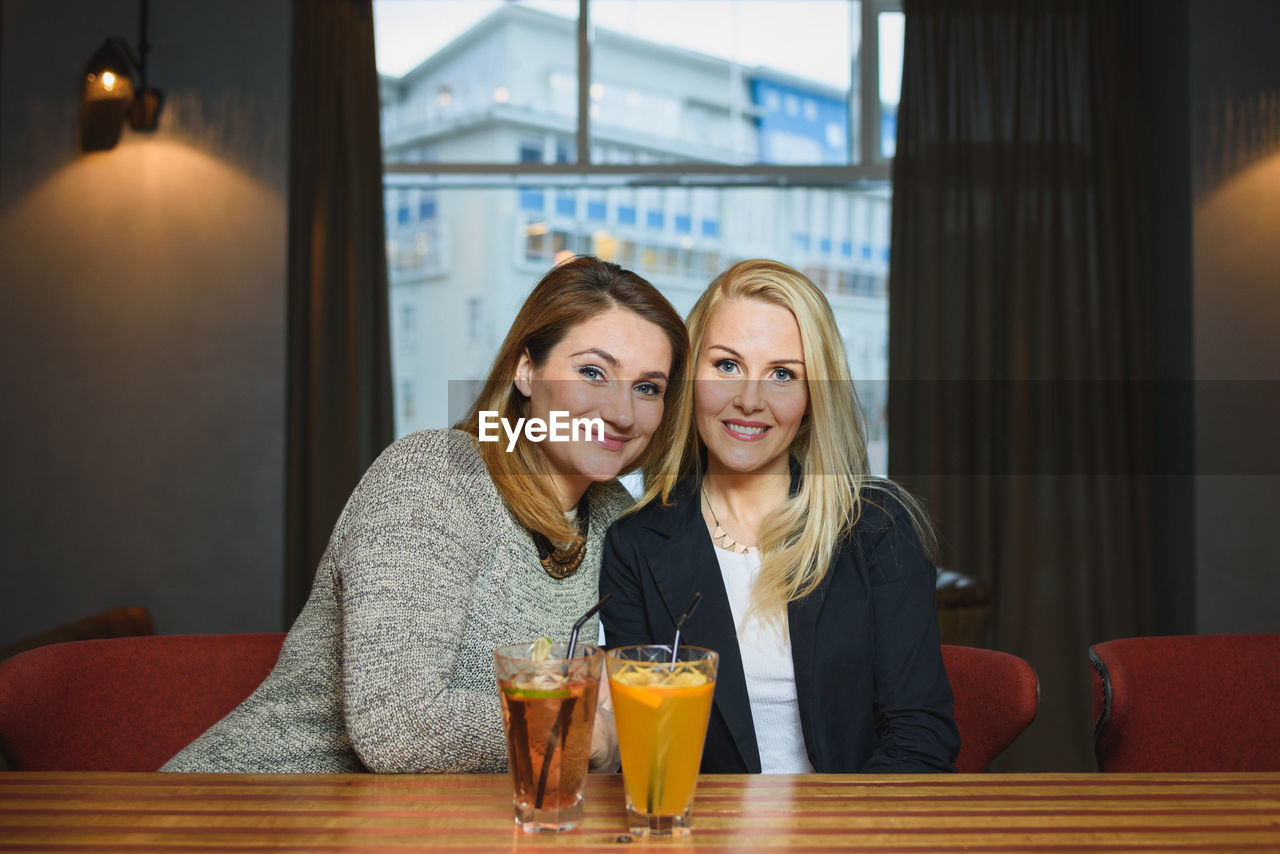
888	532
436	445
609	500
444	455
439	470
882	505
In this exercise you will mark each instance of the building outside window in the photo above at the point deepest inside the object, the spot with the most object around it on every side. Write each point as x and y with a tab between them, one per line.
704	141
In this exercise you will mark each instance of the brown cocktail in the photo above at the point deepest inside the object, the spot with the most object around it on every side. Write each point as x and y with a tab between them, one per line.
548	710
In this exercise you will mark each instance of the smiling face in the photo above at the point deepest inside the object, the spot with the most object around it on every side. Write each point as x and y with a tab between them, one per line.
614	366
750	392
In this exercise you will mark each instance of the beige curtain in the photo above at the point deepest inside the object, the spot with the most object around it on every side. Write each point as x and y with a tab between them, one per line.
1020	297
339	388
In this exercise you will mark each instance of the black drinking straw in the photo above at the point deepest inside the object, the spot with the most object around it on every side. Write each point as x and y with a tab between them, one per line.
577	626
675	644
566	708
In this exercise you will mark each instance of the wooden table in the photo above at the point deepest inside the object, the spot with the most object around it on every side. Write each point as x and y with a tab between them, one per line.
937	813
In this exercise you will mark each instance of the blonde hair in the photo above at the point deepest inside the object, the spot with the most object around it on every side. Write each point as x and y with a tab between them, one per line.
798	540
569	294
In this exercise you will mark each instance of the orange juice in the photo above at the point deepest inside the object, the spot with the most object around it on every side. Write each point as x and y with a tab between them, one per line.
661	710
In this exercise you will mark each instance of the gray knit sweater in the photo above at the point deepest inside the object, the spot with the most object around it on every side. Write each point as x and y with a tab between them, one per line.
389	667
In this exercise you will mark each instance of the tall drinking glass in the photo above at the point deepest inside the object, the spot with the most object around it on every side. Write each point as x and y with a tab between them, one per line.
661	709
548	710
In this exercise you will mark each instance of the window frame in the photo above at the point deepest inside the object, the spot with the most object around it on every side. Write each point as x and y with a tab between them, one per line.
872	168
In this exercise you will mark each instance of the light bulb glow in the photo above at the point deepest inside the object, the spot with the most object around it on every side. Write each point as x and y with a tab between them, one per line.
108	80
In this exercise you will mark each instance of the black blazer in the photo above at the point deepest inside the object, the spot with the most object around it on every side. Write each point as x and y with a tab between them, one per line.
872	690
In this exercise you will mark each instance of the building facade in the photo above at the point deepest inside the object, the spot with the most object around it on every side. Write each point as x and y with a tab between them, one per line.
462	258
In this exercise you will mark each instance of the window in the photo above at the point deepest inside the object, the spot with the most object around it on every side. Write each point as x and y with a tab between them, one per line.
531	151
408	326
699	138
407	407
475	320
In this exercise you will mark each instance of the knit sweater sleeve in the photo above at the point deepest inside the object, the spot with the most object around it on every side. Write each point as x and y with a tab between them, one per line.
409	557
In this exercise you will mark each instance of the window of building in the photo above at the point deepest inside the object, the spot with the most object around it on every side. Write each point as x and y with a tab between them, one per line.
408	326
531	150
475	320
408	408
699	137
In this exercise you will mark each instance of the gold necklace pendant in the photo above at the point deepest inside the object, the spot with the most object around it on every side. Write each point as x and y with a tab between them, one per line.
562	563
721	537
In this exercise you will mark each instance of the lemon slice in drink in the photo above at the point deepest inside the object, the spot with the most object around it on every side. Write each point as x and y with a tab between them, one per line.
685	679
527	691
634	677
634	684
541	649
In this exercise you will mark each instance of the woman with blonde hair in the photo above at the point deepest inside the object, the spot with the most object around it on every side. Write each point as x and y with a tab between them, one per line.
452	546
817	590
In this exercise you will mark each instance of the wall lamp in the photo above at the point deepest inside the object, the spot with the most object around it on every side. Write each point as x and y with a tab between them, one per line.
115	88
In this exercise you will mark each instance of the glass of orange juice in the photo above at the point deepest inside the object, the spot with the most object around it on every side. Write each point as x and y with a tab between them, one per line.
661	709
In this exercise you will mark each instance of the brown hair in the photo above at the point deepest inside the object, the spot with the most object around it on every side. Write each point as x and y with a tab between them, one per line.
569	294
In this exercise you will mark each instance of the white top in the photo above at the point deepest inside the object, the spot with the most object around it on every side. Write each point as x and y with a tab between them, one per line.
771	676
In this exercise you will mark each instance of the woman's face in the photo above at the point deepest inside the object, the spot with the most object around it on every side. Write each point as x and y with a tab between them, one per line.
614	366
750	391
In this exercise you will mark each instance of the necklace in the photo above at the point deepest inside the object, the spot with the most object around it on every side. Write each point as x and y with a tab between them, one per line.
562	563
720	537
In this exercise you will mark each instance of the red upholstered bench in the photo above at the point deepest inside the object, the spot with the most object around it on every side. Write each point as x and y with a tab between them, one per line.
124	704
128	704
1187	703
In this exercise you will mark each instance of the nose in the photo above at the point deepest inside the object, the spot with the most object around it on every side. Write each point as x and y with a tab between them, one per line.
749	398
619	410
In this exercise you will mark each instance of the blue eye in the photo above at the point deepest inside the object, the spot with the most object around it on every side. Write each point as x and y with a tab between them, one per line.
783	375
726	366
650	389
591	372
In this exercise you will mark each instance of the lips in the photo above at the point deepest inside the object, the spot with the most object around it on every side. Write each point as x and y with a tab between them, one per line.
746	431
611	442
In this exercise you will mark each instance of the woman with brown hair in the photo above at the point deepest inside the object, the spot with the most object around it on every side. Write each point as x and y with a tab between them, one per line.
453	545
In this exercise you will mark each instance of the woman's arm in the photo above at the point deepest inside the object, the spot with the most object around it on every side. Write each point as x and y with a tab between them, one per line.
406	581
914	723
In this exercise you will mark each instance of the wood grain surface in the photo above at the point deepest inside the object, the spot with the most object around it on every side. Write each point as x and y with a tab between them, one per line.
108	812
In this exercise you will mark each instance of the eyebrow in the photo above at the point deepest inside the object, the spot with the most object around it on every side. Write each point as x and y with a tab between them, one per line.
596	351
738	356
608	357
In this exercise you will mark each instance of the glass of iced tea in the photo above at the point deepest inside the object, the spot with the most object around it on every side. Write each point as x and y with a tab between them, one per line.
661	709
548	710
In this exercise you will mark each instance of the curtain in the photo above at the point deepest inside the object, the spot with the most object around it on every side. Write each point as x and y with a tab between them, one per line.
339	414
1020	341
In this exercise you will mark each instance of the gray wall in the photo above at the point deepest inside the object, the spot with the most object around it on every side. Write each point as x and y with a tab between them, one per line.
1235	108
142	297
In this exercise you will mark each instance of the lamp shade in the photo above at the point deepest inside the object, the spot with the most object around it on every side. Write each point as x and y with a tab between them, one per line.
108	93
